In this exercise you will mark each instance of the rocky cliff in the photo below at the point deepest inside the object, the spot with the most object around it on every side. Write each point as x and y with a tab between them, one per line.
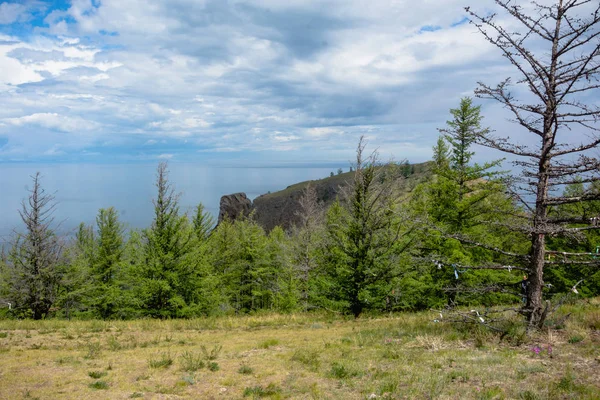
280	208
234	206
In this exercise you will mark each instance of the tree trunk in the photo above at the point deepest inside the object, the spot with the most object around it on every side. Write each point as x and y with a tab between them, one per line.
533	308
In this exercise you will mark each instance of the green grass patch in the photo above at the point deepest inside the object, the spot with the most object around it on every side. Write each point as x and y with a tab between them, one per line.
163	360
265	344
99	385
97	374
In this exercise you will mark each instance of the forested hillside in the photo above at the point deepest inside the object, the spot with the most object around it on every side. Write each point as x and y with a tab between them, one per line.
391	238
384	237
283	208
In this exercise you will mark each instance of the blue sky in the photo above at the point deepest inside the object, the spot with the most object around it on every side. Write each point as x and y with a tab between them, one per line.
235	81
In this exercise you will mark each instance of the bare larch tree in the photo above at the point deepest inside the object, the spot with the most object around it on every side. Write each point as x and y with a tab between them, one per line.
308	237
34	259
555	50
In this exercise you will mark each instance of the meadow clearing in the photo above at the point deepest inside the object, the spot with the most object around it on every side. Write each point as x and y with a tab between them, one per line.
300	356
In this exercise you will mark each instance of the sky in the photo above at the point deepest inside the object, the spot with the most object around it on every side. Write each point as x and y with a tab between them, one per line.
244	82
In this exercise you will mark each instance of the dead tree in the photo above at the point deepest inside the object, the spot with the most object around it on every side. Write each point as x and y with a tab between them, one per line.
34	259
308	236
555	50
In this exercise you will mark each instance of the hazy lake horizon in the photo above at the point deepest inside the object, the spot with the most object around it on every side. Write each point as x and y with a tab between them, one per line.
82	189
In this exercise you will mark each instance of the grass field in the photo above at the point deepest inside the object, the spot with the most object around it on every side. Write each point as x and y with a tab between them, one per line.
301	356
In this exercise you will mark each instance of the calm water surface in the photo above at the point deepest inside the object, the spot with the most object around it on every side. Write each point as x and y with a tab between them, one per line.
81	190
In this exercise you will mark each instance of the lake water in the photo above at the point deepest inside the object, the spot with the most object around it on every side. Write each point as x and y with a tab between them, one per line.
81	190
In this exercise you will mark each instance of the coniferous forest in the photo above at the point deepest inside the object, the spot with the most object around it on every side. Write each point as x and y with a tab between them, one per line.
522	230
457	237
472	275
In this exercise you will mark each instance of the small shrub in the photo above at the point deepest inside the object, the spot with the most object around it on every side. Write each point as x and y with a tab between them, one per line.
99	385
96	374
213	366
245	370
191	362
164	361
213	353
3	335
136	395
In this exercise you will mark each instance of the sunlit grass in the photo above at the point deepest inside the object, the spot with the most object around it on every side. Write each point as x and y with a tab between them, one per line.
307	356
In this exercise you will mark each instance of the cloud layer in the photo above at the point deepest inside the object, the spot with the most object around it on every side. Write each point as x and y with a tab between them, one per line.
248	81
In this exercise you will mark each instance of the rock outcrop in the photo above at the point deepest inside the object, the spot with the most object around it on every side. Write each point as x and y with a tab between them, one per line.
281	208
233	206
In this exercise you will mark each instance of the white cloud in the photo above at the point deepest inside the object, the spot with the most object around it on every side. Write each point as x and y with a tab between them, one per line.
11	12
244	75
53	121
323	132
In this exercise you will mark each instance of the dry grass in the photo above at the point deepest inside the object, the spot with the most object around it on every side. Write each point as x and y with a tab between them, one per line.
296	356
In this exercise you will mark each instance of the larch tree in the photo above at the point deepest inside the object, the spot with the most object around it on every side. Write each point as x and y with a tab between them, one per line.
470	183
457	206
165	273
34	260
366	234
307	240
555	51
203	222
107	266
